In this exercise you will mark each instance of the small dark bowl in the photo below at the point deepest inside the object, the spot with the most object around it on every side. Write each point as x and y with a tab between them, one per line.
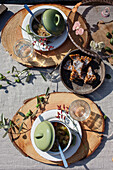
78	86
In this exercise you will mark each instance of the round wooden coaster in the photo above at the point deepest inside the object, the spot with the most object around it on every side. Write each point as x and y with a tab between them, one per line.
90	127
12	32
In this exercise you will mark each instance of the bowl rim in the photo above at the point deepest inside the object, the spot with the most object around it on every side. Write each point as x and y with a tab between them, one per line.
36	13
87	92
70	137
44	9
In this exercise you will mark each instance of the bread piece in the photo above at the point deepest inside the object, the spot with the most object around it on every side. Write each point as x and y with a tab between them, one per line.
90	77
74	56
86	60
68	65
73	75
78	66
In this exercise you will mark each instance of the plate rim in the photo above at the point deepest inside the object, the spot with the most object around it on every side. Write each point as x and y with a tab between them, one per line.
62	35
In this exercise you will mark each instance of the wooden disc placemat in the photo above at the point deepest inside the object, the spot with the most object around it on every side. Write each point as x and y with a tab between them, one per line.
12	32
90	138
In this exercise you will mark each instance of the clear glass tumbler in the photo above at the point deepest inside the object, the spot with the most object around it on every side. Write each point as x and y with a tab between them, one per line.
23	49
79	110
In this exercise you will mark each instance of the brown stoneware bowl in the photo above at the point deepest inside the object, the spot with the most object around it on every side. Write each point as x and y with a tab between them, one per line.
78	86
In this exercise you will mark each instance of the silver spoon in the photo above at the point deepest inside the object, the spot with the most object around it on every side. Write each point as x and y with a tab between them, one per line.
62	155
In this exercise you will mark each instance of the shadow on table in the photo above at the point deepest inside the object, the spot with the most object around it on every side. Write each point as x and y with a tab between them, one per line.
96	152
105	89
4	18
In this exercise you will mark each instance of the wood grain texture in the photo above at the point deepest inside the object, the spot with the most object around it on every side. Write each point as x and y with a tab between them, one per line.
100	35
12	32
80	41
90	139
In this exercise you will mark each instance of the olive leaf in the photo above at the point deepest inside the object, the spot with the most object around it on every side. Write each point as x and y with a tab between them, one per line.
43	76
21	127
38	100
47	91
5	134
37	105
41	99
29	113
1	86
2	77
14	68
28	29
21	114
2	119
17	120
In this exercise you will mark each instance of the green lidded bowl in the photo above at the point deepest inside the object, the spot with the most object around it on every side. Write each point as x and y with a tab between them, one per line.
53	22
44	136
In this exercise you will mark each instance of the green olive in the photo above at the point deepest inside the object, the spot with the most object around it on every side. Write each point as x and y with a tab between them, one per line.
108	35
0	86
111	41
108	49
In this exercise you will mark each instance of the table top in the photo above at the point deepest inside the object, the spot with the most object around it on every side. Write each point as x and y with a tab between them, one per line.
11	99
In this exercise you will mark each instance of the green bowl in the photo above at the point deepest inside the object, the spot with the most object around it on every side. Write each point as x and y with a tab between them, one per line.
53	22
44	136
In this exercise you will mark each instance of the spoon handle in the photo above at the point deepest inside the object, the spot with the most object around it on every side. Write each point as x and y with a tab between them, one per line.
63	157
27	8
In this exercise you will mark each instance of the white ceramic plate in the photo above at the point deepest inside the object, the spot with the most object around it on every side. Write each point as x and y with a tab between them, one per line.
55	42
48	115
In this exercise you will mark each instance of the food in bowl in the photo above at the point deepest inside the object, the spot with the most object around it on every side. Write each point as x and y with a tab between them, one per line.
62	134
80	68
39	28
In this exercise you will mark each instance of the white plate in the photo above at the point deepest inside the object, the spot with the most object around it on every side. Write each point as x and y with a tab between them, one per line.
47	115
55	42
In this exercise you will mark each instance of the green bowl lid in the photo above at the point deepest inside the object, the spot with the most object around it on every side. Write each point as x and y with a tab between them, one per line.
53	22
44	136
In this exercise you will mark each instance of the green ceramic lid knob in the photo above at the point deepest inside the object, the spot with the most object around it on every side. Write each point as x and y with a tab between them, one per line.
53	22
44	136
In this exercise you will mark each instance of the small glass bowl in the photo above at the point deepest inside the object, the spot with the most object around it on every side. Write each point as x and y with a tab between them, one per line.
79	110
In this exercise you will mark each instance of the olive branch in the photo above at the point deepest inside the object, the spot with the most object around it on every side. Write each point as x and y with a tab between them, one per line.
6	124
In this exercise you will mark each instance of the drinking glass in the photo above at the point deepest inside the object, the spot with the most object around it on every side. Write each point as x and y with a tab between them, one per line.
79	110
23	49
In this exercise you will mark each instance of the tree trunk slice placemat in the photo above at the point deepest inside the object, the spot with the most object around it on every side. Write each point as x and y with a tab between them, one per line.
12	32
90	140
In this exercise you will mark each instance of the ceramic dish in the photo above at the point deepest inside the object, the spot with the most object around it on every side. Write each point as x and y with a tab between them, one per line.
77	86
48	115
54	41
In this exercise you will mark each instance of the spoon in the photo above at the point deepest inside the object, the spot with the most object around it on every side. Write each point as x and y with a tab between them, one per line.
27	8
62	155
